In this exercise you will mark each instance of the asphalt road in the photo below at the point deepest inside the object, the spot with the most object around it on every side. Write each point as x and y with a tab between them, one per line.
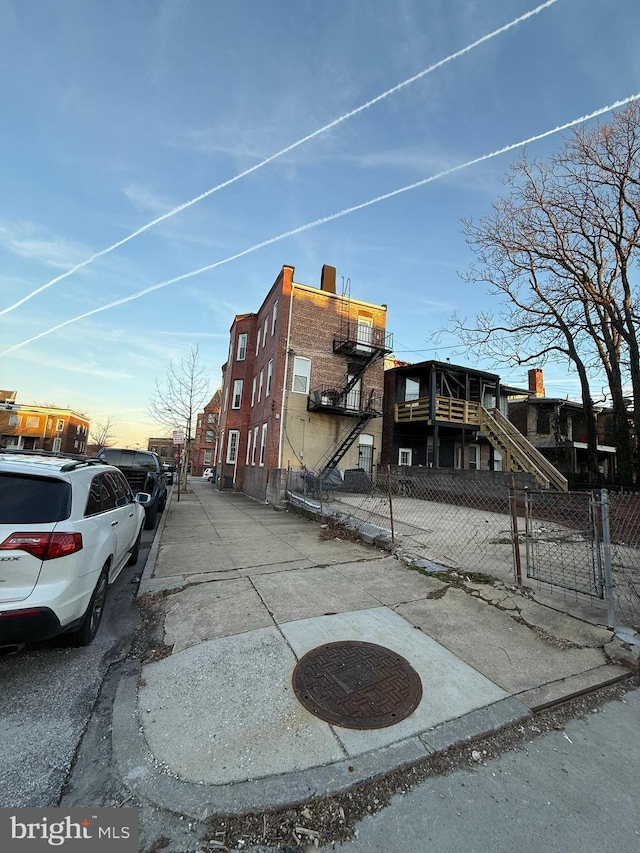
48	693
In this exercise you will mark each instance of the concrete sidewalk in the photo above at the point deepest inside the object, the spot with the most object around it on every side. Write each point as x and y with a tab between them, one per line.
215	727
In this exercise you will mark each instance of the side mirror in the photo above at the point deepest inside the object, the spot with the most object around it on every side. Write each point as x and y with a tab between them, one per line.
142	498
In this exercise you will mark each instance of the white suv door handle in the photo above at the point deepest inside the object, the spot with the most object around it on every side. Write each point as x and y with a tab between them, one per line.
113	523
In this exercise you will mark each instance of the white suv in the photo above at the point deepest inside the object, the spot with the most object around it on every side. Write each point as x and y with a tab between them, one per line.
68	526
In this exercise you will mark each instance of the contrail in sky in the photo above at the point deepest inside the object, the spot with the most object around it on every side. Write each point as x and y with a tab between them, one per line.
280	153
325	219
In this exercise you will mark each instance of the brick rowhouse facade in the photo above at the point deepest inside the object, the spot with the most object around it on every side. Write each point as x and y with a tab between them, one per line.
286	399
204	443
42	428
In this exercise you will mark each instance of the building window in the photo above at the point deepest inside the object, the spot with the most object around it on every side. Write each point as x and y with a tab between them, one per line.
237	394
253	390
226	398
232	446
207	457
497	461
59	425
246	461
221	445
274	317
14	420
211	418
57	444
33	422
208	436
411	389
263	443
474	457
264	332
543	422
404	456
255	445
242	347
260	382
258	341
269	377
301	374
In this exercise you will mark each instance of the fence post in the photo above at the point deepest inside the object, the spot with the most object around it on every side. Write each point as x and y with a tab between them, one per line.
393	537
609	582
514	526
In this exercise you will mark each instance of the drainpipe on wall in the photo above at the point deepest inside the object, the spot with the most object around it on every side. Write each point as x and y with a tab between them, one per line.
284	382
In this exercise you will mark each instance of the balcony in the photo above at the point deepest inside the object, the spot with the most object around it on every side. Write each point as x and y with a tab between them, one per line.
353	404
355	339
448	410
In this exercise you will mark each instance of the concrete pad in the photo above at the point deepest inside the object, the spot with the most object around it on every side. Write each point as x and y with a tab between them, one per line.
310	592
205	611
192	558
198	533
261	552
566	627
389	581
238	708
488	639
291	565
331	550
450	687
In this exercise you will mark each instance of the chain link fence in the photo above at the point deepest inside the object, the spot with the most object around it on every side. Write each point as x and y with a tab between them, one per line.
449	519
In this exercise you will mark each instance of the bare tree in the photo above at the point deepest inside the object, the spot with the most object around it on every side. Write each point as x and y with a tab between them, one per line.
102	434
179	397
560	249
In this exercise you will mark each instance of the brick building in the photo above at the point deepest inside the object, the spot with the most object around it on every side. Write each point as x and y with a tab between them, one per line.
41	427
205	442
302	385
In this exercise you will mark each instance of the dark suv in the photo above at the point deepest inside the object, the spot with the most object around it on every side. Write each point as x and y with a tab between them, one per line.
144	473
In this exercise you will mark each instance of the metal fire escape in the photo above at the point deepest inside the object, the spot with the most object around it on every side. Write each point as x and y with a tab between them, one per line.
363	345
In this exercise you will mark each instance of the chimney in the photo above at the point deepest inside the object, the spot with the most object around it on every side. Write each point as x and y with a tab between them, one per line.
536	382
328	279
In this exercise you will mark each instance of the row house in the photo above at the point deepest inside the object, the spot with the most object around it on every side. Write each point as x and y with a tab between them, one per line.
41	427
302	385
203	454
558	429
442	415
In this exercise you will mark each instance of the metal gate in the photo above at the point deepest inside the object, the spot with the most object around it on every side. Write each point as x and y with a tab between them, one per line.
566	541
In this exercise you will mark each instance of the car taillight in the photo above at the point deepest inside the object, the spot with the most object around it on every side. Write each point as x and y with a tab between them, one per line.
44	546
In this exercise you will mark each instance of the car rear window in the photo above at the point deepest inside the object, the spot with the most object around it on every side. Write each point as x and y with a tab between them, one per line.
33	500
129	459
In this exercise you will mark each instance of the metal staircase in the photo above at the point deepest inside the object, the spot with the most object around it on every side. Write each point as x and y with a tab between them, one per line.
345	441
517	452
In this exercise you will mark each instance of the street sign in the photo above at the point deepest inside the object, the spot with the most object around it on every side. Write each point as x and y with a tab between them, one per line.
178	437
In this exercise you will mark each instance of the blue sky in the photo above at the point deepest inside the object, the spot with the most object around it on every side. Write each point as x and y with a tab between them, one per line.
115	113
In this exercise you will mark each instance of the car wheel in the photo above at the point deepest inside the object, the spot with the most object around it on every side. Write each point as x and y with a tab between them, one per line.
92	618
162	503
133	556
150	517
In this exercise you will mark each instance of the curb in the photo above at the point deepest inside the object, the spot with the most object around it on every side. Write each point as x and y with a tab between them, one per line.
152	557
146	777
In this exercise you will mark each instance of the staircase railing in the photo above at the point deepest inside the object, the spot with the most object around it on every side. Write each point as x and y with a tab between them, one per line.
519	454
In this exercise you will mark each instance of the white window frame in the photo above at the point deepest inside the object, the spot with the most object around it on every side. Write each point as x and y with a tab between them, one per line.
255	446
299	362
274	317
226	398
269	378
60	425
237	394
260	383
249	437
409	396
253	391
263	444
407	454
264	331
241	352
258	340
208	436
233	441
474	464
498	461
207	457
57	444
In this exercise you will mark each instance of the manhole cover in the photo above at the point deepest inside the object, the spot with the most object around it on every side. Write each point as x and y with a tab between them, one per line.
357	685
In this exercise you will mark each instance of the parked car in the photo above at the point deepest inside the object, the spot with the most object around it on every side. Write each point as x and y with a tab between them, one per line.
207	474
144	473
168	473
68	526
